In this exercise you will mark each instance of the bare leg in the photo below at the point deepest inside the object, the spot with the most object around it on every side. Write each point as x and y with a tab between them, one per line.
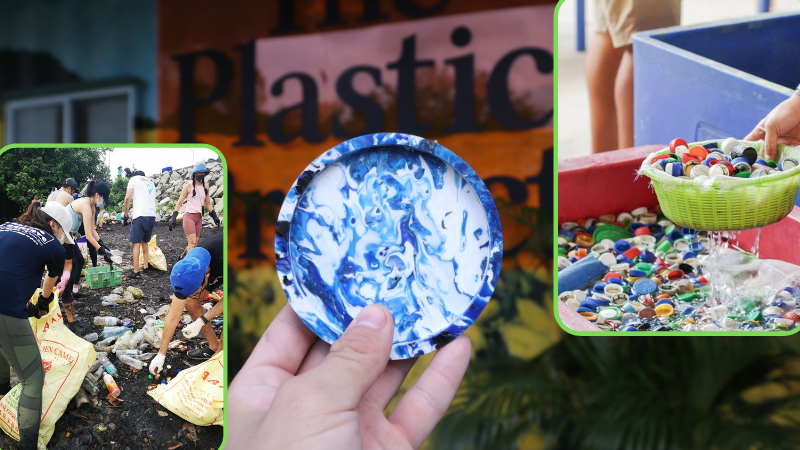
136	257
195	309
221	346
146	251
602	65
191	243
623	96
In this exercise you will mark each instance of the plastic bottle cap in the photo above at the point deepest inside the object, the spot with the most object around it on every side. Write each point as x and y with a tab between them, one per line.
644	286
677	142
698	151
787	164
727	145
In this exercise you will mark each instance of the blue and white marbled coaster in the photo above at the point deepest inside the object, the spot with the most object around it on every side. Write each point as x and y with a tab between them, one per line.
392	219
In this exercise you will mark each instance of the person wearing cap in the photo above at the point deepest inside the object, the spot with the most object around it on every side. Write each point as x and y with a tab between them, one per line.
143	192
120	172
193	217
65	194
190	279
35	240
82	211
216	248
781	126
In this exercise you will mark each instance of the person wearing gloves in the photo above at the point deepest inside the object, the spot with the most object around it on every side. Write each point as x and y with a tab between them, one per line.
189	279
143	192
82	213
193	217
215	247
35	240
781	126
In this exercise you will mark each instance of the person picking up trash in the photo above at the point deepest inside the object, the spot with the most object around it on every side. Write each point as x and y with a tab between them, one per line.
35	240
189	279
193	217
215	246
82	213
64	195
780	126
143	192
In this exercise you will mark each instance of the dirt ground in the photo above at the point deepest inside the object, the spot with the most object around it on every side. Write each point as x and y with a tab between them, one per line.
138	422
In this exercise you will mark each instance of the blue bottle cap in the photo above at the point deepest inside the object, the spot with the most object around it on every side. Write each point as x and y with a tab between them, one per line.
648	256
622	246
675	235
789	290
629	328
689	231
600	302
599	288
687	255
714	150
585	309
623	259
616	281
665	301
697	246
711	146
627	307
636	226
688	311
567	234
738	160
658	236
762	162
573	259
636	273
633	297
645	286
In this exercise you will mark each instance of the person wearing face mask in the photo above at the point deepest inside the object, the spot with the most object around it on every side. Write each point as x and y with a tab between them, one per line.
35	240
82	212
143	192
190	281
193	217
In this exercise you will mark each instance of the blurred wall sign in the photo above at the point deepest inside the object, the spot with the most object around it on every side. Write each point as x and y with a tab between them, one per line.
355	82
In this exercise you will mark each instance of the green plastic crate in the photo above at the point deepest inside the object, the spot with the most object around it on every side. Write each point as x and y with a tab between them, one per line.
101	277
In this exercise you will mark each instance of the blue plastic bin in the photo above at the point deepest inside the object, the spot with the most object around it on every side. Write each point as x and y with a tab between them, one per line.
714	80
166	169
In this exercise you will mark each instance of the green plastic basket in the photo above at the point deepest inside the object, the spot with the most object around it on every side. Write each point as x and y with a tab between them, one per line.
729	204
101	277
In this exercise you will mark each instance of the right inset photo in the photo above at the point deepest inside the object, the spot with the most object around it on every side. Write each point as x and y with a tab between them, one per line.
678	146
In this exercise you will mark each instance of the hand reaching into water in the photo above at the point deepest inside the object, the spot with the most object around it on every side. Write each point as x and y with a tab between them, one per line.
297	392
781	126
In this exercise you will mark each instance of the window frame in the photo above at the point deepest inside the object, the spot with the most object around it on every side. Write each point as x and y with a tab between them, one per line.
66	101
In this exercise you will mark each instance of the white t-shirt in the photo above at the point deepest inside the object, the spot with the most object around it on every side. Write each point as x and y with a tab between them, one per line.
144	197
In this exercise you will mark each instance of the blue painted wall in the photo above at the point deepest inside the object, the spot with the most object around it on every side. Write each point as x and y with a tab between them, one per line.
95	39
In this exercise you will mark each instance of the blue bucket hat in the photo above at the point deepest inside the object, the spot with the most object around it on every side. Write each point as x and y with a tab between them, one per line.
199	168
188	274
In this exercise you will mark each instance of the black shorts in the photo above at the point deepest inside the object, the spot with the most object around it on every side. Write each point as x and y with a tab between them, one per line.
142	229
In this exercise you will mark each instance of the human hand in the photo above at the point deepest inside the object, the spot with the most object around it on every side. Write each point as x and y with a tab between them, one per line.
781	126
296	391
173	219
107	258
33	311
43	303
213	215
125	220
157	364
191	330
63	283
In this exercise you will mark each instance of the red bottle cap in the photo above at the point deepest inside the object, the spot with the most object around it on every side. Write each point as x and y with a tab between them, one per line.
632	253
700	152
677	143
641	231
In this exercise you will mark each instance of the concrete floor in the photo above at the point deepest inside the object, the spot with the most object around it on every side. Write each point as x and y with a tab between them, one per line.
574	137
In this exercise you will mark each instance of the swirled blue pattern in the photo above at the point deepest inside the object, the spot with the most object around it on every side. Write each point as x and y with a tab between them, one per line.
392	219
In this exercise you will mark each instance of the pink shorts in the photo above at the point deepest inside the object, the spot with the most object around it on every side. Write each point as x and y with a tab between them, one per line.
192	224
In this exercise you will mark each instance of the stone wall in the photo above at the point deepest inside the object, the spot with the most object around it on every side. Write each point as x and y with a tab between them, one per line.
169	185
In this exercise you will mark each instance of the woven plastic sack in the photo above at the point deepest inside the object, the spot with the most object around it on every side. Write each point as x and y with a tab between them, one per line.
155	256
66	359
196	393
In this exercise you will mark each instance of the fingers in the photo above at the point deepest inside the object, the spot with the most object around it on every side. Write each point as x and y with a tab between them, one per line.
425	403
355	361
757	133
318	352
382	392
770	140
283	345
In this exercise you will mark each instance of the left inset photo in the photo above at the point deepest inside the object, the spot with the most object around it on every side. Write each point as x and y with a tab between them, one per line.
112	262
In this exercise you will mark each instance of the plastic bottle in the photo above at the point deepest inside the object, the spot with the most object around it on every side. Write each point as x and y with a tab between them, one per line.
127	322
91	337
90	387
136	339
131	362
97	375
97	364
129	352
144	356
111	385
108	341
122	342
115	331
106	321
107	303
108	366
117	290
103	348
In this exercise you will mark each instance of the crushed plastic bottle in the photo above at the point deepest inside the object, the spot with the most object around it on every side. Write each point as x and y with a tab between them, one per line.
136	292
91	337
123	342
90	387
131	362
118	290
115	331
144	356
136	339
108	366
127	322
186	319
106	321
111	385
107	303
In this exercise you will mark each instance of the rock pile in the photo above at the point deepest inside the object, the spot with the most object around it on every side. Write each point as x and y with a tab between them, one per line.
169	185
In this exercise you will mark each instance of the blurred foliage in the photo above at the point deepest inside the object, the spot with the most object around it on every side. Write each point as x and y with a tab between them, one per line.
28	171
118	190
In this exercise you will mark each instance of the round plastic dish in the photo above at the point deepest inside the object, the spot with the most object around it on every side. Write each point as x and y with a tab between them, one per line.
728	204
392	219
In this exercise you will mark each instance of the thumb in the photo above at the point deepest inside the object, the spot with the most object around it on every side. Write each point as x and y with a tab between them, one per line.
355	361
770	140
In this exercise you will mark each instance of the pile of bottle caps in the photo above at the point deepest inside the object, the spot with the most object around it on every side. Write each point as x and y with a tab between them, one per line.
653	279
727	158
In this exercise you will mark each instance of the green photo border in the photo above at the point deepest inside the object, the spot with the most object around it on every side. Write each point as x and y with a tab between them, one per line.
555	235
224	239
